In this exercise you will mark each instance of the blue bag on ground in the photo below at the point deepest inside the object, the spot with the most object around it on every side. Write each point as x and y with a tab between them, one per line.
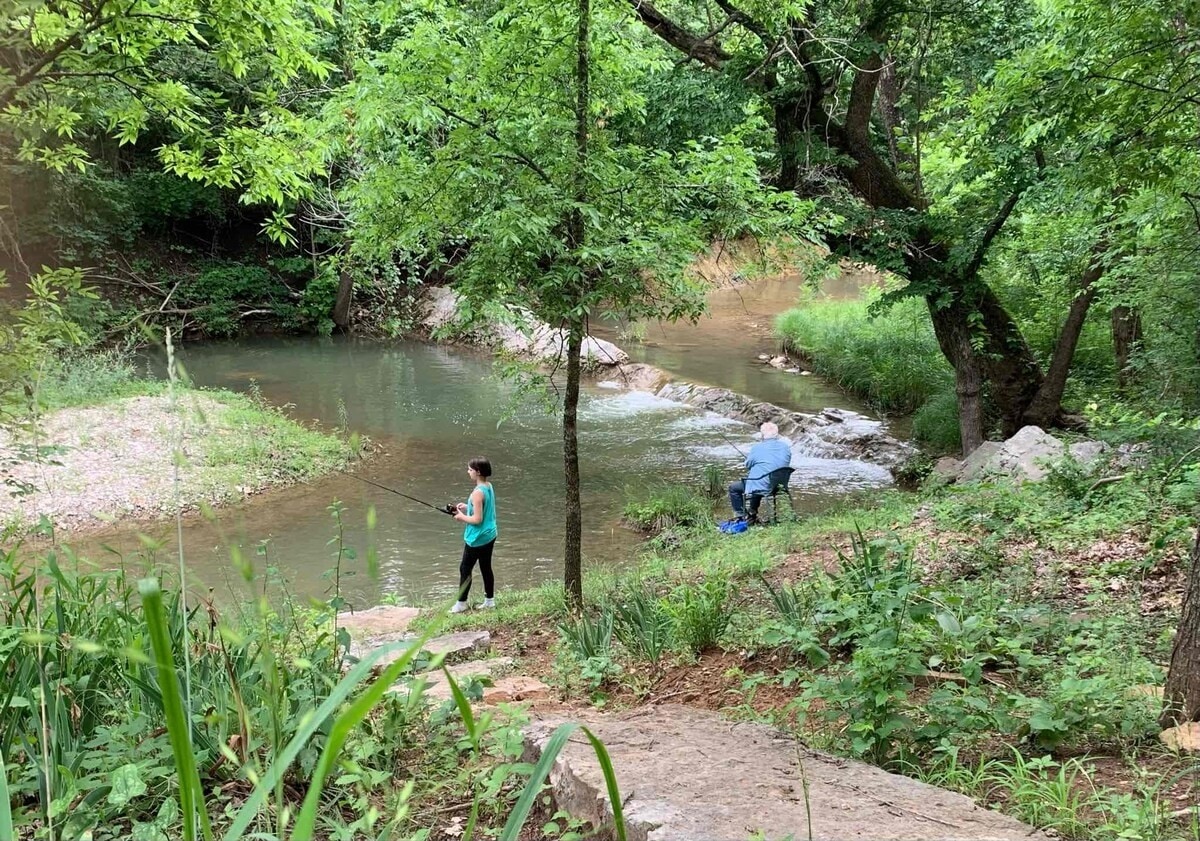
733	526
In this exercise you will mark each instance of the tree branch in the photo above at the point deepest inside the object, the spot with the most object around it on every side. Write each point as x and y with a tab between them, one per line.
516	154
709	54
749	23
992	231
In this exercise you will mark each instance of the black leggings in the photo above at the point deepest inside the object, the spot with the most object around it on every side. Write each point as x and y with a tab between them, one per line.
471	554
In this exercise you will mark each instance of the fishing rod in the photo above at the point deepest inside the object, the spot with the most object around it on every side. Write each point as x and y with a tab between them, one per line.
730	443
447	509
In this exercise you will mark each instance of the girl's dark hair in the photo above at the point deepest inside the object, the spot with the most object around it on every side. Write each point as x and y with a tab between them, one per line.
481	466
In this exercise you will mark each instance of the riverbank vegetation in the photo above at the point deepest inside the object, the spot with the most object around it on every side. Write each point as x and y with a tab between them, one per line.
1026	170
1009	641
129	713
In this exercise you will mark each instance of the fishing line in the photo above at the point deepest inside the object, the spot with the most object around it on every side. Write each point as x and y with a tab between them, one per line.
398	493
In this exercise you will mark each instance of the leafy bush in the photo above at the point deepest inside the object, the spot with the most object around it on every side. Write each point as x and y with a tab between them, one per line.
587	641
222	292
83	379
701	613
891	360
665	507
873	627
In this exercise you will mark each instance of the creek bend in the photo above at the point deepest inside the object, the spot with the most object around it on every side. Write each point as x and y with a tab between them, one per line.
430	408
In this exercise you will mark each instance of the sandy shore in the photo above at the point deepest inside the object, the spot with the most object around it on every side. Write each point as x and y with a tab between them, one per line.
84	468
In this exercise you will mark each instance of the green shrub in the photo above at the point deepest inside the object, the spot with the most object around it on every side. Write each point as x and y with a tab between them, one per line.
221	292
643	625
84	379
587	646
666	507
588	636
701	613
892	360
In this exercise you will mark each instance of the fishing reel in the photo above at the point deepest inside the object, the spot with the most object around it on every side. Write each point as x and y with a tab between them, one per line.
450	508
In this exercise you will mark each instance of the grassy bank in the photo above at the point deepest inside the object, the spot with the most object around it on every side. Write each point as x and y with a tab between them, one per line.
891	360
1002	640
105	443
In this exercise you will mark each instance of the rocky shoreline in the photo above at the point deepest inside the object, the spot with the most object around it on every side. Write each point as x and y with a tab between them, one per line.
833	433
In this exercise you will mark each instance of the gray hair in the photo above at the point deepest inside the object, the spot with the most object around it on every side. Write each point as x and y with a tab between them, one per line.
769	431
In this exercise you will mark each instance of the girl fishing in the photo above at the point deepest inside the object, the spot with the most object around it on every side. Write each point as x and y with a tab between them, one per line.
479	536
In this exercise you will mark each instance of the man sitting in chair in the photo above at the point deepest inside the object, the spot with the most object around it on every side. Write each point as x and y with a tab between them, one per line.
768	455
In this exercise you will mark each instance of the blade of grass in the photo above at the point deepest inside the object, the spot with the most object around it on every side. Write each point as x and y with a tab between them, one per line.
6	821
610	782
337	697
191	795
358	710
554	746
464	709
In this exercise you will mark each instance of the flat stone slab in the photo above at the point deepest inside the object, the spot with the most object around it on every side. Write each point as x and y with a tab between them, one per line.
514	689
687	774
378	621
463	645
438	688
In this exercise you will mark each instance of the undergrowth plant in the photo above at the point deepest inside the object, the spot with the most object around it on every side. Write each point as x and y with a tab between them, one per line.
108	737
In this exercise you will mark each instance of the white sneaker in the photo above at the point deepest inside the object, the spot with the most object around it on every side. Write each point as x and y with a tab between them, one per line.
487	603
459	607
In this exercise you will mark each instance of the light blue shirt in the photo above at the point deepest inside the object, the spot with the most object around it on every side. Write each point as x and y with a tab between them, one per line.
765	457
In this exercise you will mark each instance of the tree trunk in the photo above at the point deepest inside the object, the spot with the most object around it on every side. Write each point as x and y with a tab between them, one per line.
952	328
1181	699
577	238
573	555
889	110
1126	334
1046	406
345	295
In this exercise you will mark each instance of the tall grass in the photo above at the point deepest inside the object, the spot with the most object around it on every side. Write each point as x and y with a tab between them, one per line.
892	360
101	737
659	508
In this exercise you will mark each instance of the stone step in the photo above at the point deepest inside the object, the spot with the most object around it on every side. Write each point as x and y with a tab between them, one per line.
457	647
686	774
381	621
438	688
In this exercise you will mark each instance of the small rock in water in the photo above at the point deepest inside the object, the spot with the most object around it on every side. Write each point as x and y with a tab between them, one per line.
806	373
778	362
791	370
764	356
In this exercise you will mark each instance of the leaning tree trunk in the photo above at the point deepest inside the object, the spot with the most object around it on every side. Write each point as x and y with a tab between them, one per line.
952	329
1046	407
1181	699
1126	334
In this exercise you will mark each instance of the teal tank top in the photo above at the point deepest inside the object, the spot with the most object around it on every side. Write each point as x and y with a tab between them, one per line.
485	531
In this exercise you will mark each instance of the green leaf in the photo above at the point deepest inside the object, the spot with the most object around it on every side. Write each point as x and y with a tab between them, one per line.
127	783
6	820
178	716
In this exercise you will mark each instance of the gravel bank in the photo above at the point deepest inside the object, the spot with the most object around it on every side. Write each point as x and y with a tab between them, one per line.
102	463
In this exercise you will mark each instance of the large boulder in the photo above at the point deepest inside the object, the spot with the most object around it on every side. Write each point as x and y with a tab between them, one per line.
1027	456
686	774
